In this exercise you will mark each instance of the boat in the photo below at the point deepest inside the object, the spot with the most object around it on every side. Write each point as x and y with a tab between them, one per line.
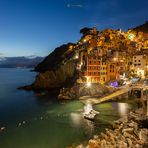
89	113
89	116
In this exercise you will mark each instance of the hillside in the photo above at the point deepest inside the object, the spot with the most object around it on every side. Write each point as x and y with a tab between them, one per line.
142	28
15	62
54	59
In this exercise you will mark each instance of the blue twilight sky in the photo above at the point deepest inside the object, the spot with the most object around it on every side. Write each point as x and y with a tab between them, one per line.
36	27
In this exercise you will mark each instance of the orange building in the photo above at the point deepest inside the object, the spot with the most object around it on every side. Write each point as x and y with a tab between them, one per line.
112	71
92	67
99	69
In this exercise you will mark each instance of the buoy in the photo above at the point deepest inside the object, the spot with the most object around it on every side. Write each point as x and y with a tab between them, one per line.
19	124
2	129
24	122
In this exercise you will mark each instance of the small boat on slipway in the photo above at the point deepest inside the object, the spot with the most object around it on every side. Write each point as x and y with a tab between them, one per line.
89	113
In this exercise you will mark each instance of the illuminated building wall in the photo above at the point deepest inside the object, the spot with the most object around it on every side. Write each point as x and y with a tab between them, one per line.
92	68
112	71
138	65
103	72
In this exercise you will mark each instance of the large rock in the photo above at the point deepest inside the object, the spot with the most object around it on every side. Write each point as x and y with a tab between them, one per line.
55	78
56	69
143	135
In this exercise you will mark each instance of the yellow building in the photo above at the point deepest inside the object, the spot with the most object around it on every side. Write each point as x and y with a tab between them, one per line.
146	66
103	72
138	65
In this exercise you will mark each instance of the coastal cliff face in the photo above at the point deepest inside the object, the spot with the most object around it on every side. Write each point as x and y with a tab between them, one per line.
55	78
55	70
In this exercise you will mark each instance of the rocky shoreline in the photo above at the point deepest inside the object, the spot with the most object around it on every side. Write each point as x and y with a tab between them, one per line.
80	90
131	131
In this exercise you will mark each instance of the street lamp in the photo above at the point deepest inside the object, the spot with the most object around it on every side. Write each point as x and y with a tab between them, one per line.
76	56
84	40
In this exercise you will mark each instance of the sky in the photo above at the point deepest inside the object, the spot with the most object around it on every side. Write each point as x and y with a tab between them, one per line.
37	27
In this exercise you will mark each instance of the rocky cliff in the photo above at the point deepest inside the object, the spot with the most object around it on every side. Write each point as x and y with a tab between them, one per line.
55	78
55	70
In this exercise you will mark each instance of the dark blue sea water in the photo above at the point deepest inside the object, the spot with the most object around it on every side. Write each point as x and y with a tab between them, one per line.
48	123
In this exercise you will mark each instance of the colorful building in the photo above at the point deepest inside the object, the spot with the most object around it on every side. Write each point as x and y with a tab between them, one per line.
138	65
92	68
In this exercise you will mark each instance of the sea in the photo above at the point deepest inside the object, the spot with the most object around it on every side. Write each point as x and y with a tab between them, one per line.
37	120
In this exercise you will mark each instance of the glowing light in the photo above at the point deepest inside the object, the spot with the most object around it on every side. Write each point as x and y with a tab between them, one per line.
84	40
88	84
76	56
114	84
115	59
131	36
123	108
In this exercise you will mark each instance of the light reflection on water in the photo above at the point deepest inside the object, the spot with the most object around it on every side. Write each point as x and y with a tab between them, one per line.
79	121
123	108
76	119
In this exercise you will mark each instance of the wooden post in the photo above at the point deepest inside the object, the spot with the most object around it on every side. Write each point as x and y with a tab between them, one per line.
142	100
146	94
147	108
142	94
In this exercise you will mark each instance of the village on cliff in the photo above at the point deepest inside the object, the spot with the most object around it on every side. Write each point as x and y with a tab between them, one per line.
99	59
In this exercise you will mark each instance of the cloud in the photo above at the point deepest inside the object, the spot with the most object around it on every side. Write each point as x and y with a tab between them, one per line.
71	5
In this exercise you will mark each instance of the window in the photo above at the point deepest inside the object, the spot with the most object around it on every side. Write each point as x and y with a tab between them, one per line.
104	79
135	64
139	60
135	60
